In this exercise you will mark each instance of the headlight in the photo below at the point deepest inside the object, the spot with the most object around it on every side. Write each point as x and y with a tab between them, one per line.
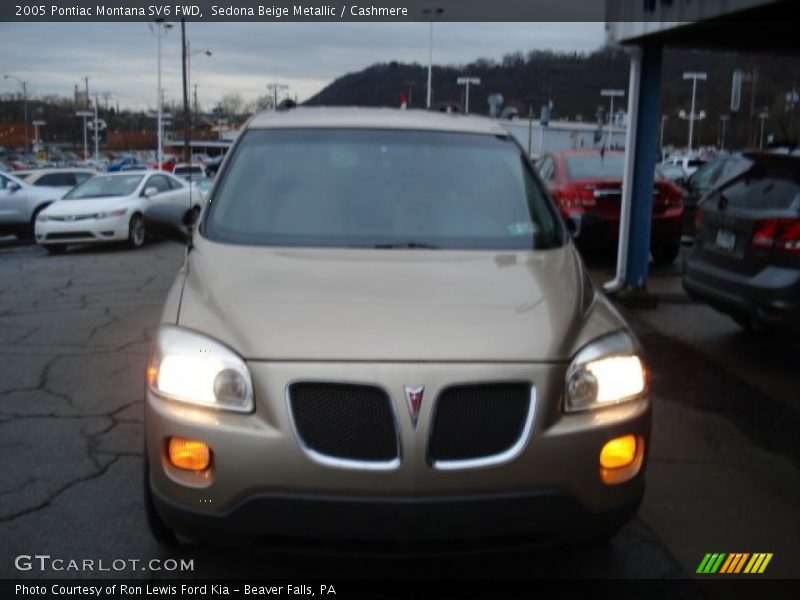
605	372
110	213
190	367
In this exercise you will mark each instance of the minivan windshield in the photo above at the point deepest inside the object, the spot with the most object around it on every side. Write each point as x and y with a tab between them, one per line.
103	186
380	189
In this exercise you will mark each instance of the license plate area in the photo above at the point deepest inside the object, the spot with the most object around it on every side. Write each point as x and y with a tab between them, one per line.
725	240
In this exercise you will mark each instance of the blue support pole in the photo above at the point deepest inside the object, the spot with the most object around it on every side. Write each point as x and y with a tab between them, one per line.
645	146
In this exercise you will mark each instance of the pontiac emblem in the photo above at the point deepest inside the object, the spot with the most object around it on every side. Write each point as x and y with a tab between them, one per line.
414	399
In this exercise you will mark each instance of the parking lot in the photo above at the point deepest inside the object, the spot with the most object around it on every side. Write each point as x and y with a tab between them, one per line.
74	334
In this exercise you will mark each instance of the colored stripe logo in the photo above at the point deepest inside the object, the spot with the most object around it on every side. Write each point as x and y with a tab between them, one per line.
734	563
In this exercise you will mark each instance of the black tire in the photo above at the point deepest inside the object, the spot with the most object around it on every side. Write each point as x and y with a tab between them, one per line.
136	232
30	233
665	254
55	248
158	529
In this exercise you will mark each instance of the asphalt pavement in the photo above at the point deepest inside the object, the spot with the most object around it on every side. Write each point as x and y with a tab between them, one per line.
74	335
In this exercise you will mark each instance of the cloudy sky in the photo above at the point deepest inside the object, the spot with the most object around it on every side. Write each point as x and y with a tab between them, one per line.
121	58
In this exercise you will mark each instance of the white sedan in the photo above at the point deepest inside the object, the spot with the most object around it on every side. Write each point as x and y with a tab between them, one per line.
109	208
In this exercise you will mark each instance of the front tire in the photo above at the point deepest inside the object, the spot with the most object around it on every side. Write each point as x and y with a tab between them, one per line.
136	232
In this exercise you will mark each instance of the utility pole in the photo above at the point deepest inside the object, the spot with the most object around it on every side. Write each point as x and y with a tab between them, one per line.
195	101
160	30
661	142
85	114
96	131
88	102
274	88
763	115
410	85
187	126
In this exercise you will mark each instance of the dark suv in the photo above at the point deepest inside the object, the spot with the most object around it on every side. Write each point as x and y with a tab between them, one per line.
746	260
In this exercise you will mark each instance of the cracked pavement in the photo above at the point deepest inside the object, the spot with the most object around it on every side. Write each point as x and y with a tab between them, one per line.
74	336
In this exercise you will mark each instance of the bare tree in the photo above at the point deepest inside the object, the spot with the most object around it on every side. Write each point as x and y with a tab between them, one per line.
232	104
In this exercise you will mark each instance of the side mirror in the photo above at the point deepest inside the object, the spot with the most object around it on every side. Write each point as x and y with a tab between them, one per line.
149	192
13	186
170	222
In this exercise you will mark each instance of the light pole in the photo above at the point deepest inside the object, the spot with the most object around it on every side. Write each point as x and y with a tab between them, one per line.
190	114
24	105
159	29
431	13
724	119
611	94
694	76
467	81
275	88
85	114
661	142
36	142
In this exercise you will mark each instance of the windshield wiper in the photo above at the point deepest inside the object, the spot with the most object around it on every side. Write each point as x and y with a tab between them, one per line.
415	245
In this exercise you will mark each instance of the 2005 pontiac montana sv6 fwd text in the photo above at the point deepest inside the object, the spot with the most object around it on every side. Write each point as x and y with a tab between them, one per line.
383	331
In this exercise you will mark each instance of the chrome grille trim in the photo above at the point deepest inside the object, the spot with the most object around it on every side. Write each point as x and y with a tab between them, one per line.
335	461
495	459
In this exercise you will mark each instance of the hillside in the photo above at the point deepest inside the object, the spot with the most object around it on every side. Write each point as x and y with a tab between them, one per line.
573	83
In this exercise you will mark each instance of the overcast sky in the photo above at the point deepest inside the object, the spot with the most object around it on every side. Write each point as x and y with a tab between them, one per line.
121	58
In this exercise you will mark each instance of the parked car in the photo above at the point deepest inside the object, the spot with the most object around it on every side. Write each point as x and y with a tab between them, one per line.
689	164
168	164
746	260
190	171
64	178
126	163
108	208
400	343
588	182
20	202
674	172
712	173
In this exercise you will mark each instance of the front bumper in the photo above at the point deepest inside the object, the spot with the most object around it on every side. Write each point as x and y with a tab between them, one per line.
263	483
82	231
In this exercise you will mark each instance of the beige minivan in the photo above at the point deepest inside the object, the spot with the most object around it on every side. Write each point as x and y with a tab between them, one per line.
383	331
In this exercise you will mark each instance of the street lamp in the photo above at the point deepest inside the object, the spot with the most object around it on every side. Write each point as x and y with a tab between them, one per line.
467	81
694	76
24	104
611	94
189	53
431	13
661	143
275	88
159	29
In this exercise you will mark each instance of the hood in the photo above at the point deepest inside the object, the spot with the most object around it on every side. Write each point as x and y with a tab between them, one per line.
386	305
87	206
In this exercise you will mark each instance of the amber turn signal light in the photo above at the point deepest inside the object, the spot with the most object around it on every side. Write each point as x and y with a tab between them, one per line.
191	455
621	459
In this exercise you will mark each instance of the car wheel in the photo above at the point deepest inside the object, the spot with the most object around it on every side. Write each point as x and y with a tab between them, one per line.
55	248
665	254
158	529
136	233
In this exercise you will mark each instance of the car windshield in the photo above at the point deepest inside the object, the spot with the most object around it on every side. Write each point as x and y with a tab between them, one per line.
105	186
595	166
381	188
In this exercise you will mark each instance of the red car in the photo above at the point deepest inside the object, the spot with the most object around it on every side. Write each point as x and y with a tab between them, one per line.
590	182
167	165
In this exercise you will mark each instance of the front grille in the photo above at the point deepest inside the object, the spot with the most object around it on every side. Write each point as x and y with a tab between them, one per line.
344	421
476	421
72	235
